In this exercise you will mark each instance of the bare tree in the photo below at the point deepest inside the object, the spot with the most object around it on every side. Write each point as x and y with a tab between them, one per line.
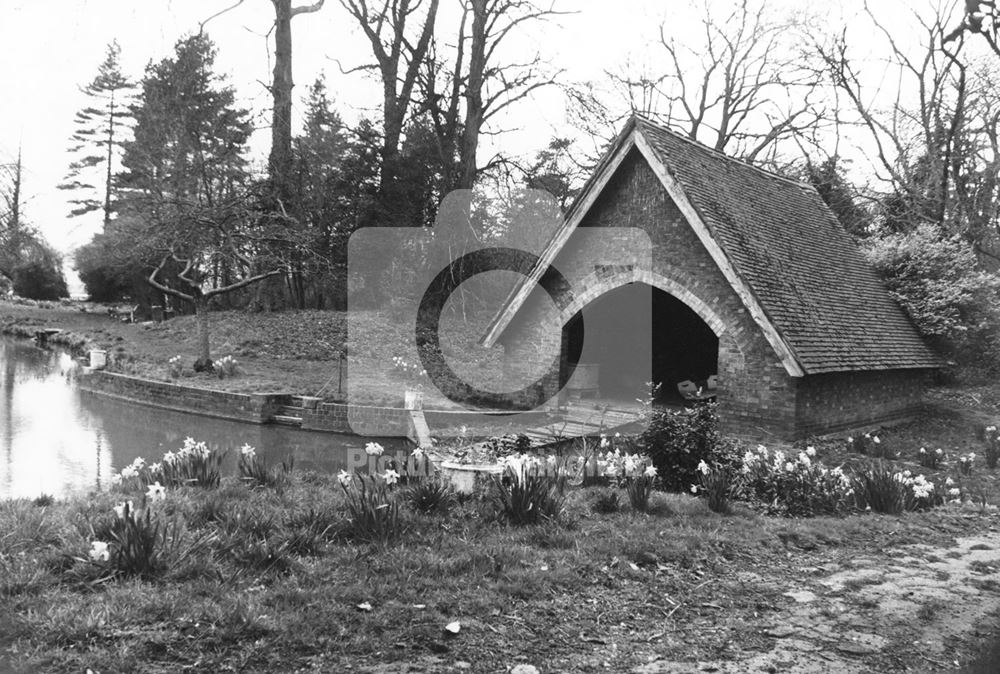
739	85
463	93
201	253
400	33
914	144
14	234
935	141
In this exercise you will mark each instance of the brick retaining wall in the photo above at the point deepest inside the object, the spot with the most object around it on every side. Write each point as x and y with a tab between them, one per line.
257	408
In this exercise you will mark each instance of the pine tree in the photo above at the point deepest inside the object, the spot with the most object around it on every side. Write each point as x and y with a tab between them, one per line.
101	128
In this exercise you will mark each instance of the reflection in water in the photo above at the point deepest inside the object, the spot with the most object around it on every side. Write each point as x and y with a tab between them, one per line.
56	439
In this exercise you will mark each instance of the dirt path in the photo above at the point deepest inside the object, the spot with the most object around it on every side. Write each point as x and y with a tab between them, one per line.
911	608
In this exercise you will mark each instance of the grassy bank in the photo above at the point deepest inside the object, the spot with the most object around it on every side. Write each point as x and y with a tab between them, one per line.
278	580
293	351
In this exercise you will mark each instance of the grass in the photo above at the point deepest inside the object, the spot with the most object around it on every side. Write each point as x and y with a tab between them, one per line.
293	351
276	580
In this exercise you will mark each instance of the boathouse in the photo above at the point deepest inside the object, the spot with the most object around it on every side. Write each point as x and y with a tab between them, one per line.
757	295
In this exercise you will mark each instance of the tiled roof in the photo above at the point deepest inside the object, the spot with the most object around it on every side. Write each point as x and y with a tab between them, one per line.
787	247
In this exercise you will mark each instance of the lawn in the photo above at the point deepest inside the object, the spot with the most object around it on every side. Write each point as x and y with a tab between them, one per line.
293	351
267	580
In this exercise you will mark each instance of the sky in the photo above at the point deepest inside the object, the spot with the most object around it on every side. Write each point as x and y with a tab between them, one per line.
53	47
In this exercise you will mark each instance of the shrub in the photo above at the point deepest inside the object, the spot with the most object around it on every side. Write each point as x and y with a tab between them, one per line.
526	493
938	282
796	486
373	509
43	500
719	485
431	495
40	280
678	440
508	445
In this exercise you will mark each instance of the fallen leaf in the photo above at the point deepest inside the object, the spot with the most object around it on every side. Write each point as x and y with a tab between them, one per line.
365	606
453	627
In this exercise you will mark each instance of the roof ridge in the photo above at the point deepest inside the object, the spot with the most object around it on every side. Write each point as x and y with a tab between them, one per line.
722	155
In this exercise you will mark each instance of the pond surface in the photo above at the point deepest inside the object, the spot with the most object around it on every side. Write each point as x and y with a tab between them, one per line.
56	439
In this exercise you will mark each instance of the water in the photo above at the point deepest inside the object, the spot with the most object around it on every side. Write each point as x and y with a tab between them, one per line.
58	440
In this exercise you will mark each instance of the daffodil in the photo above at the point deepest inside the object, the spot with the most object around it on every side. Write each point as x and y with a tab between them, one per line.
344	478
99	551
650	471
391	476
374	449
247	451
122	509
156	492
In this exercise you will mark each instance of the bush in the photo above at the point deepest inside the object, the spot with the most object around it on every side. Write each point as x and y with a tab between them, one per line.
936	280
795	486
527	493
40	280
678	440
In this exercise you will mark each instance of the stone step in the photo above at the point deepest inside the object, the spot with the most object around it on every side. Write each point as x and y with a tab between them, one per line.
291	410
286	420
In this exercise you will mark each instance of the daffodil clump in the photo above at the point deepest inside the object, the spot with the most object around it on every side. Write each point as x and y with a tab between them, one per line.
407	370
141	542
175	367
372	501
719	484
966	463
991	436
194	464
931	459
881	488
530	490
254	470
226	367
871	444
633	471
796	485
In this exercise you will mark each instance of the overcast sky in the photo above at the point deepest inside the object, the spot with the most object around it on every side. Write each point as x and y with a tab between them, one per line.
53	47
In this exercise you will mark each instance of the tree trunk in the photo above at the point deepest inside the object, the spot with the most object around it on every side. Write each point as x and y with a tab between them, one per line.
280	161
204	362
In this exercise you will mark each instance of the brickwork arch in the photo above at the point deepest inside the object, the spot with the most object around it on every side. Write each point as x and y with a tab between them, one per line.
596	285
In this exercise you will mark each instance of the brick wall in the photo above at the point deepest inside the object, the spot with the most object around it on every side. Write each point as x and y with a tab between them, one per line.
255	408
847	401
